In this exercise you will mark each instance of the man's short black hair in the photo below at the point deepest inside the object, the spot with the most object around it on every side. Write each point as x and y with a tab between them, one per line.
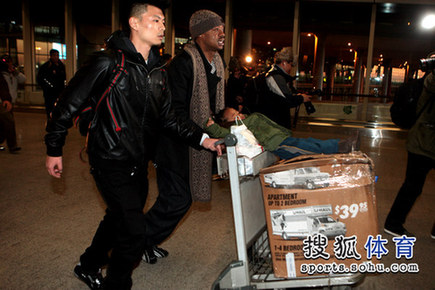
53	51
127	5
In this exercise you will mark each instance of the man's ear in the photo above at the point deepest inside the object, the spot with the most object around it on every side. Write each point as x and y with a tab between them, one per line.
132	21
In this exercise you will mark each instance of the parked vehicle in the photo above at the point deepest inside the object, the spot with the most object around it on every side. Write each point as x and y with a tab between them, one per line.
300	223
307	177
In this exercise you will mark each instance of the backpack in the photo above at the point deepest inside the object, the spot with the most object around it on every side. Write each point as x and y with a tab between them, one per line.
403	111
88	115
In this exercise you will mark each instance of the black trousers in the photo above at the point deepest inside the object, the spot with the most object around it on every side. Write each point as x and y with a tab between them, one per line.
124	189
416	171
49	101
7	128
173	202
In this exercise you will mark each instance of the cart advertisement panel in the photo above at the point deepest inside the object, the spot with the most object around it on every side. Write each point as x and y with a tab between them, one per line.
320	209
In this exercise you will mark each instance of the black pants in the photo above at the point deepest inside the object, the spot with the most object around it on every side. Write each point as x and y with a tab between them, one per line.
122	230
416	171
7	128
173	202
49	101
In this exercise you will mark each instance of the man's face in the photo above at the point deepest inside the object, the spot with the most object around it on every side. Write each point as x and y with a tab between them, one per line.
151	28
287	66
54	57
230	115
214	39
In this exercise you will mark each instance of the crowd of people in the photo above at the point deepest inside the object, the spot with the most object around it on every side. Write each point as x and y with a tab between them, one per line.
162	120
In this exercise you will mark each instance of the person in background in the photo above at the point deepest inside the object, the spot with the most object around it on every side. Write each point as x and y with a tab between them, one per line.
196	78
167	58
279	94
51	77
421	159
236	86
276	138
10	78
122	141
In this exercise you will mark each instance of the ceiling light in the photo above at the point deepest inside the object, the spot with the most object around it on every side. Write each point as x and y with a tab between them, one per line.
388	8
428	21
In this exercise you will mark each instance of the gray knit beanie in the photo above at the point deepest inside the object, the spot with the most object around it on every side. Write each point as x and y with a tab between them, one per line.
202	21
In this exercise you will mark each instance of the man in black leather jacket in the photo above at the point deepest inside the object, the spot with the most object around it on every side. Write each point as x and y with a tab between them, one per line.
121	142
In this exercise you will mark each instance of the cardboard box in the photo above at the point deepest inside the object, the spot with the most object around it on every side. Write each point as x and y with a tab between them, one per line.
328	198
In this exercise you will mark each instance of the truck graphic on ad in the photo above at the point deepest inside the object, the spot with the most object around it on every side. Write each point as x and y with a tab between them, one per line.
307	177
302	222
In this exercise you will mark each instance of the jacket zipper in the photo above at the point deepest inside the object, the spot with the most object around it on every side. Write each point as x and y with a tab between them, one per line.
148	78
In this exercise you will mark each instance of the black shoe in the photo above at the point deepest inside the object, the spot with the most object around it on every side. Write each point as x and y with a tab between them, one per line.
93	280
432	234
151	254
350	144
14	150
397	231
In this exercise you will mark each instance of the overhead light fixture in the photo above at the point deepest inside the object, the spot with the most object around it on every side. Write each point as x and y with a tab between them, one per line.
388	8
428	21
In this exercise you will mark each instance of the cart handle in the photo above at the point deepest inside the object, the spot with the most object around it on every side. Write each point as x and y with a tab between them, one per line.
229	140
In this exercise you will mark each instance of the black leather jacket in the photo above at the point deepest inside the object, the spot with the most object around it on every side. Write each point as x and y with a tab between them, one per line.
130	117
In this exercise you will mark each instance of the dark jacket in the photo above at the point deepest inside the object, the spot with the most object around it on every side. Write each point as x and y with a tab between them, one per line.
172	152
4	90
421	137
279	97
51	77
130	117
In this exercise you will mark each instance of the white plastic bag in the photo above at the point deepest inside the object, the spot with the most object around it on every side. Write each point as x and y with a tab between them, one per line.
247	144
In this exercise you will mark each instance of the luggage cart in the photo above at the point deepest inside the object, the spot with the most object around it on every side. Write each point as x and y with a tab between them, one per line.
253	269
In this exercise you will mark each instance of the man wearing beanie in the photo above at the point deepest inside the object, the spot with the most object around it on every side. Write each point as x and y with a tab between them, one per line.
196	78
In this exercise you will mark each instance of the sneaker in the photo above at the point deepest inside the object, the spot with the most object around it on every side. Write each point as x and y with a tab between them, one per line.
151	254
432	234
397	231
2	148
93	280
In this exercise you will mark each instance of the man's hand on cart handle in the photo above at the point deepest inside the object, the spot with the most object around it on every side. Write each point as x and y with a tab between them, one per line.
210	144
